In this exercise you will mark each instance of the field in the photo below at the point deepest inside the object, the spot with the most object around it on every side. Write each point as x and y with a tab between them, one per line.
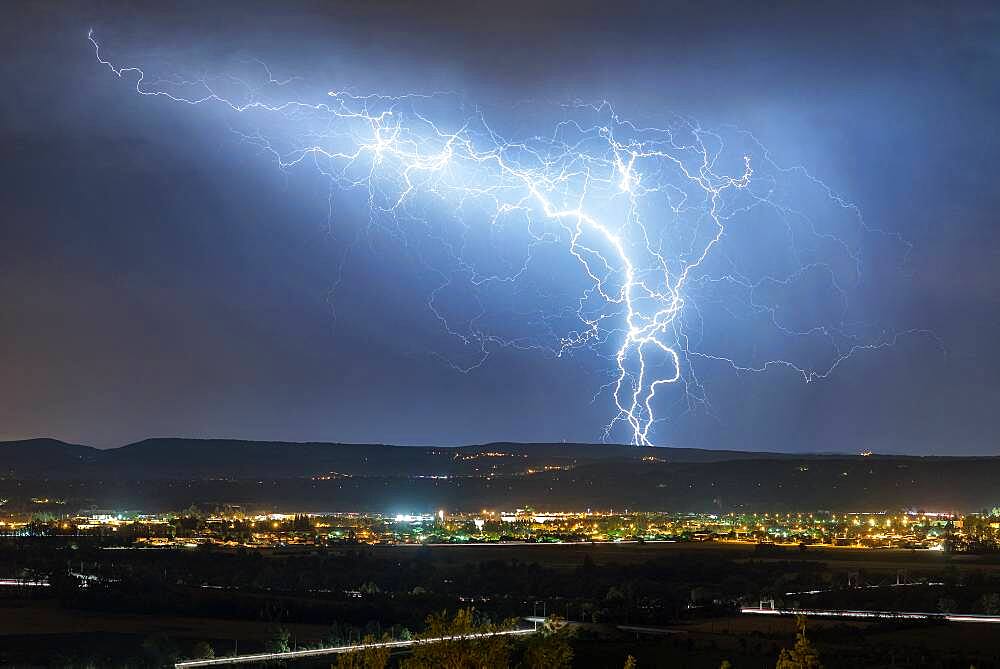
573	554
670	586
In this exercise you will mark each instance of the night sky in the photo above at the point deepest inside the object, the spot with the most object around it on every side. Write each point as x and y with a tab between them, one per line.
159	277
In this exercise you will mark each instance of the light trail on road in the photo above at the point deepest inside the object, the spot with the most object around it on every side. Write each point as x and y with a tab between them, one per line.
886	615
339	650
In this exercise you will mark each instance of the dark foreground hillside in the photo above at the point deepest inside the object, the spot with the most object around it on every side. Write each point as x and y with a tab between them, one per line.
148	608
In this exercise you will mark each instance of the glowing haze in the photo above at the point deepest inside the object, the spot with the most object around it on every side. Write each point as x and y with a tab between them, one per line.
647	215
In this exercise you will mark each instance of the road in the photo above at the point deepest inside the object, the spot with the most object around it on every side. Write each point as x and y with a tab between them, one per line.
898	615
337	650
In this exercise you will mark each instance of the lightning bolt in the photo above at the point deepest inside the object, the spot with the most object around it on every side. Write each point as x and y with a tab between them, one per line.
645	213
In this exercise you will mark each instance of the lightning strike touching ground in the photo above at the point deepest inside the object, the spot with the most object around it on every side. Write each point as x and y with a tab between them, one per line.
688	245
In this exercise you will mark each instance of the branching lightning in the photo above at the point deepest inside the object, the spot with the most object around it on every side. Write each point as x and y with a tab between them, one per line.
645	213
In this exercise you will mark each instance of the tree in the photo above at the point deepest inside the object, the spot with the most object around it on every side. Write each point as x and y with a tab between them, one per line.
947	605
366	658
278	641
803	655
459	652
990	603
726	664
203	651
159	650
64	585
549	648
629	662
338	635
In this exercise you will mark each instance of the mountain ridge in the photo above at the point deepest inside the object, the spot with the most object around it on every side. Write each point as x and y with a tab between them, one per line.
171	473
179	457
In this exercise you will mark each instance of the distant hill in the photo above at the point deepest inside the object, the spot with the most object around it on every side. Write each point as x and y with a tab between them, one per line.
231	458
163	474
45	458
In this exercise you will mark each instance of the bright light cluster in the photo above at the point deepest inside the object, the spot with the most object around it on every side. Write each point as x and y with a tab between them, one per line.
674	233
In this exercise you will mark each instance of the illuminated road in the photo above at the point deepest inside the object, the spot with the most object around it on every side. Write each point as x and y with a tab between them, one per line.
930	584
338	650
18	583
898	615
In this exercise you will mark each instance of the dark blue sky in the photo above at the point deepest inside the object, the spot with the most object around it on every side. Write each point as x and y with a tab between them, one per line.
158	277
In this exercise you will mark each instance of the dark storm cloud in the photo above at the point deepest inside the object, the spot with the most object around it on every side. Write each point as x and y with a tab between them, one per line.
157	278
